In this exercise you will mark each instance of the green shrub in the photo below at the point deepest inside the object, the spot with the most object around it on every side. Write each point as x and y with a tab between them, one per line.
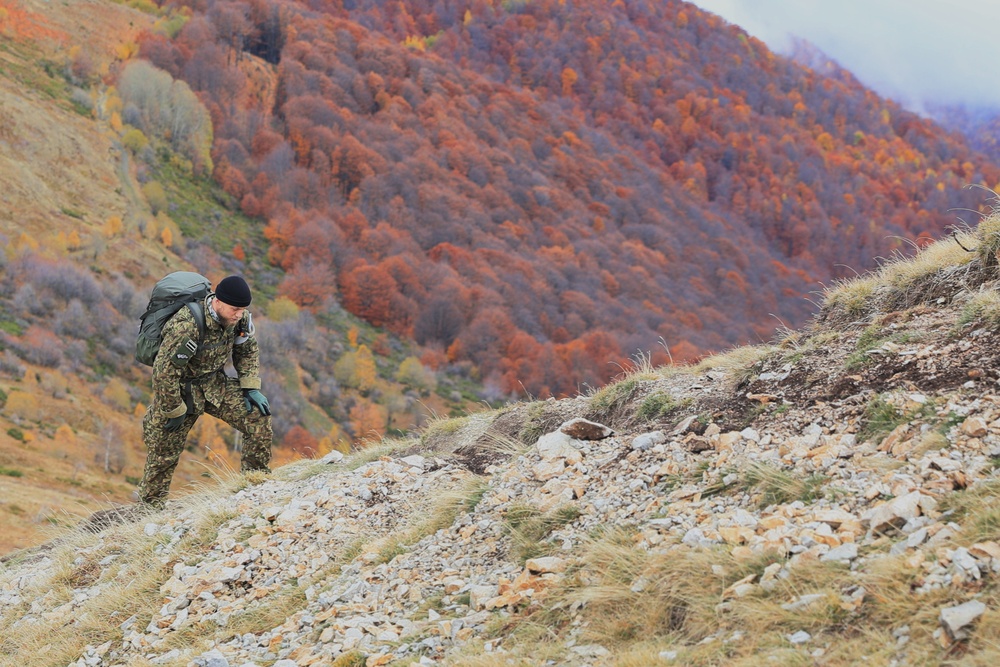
656	405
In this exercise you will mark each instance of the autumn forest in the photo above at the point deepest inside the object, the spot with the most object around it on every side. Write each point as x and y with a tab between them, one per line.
544	188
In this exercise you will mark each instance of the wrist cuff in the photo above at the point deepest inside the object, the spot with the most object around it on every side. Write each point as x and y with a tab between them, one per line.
179	411
249	383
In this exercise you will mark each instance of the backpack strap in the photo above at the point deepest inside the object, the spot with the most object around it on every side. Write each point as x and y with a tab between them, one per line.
199	318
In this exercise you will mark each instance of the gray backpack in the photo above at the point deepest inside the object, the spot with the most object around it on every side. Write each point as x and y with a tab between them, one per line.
169	295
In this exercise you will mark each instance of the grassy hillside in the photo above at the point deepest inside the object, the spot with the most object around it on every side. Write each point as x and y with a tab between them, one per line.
92	214
830	498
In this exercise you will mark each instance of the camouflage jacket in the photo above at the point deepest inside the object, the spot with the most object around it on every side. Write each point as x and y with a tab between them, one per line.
175	366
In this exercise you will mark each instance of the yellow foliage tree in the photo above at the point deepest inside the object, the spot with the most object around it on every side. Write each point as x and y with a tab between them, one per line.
134	139
113	226
25	242
368	420
116	122
126	50
283	309
414	42
569	79
365	373
352	337
24	405
116	394
58	244
73	241
167	237
112	102
65	434
155	195
413	374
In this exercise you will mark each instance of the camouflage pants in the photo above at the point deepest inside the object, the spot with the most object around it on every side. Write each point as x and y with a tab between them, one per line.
164	447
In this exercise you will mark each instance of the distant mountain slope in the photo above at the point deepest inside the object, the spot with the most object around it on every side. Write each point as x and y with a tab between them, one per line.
541	187
980	126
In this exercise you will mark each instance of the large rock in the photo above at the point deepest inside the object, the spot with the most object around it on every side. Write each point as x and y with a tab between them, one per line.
582	429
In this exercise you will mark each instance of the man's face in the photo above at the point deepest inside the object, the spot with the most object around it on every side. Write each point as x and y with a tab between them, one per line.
229	315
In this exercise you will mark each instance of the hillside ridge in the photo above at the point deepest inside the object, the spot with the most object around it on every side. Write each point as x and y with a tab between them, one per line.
826	499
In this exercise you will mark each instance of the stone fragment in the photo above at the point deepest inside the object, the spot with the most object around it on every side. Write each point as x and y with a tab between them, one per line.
213	658
697	443
974	427
646	441
685	425
736	534
804	601
896	512
332	458
956	620
480	595
546	470
415	461
545	565
558	446
844	553
985	550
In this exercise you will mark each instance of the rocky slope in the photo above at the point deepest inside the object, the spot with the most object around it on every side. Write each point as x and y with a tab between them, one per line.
829	499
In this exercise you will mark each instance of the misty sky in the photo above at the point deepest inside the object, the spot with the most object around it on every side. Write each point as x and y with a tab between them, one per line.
913	51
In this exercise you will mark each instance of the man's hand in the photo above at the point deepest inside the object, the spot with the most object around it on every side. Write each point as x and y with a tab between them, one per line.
254	399
174	423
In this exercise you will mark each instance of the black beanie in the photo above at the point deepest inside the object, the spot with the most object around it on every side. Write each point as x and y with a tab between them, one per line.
234	291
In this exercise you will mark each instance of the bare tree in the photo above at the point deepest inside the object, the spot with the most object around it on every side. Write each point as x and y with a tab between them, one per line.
110	449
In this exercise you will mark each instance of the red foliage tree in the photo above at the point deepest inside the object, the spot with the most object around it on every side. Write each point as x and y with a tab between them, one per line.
300	441
368	292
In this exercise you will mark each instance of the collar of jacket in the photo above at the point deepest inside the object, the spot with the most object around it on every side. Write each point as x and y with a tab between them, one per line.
210	309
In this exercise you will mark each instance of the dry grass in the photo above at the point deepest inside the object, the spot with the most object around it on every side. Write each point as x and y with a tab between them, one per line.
737	359
903	281
775	486
982	306
448	506
640	604
529	528
129	586
929	441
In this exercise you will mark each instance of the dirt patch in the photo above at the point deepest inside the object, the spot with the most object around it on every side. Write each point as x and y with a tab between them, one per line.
477	459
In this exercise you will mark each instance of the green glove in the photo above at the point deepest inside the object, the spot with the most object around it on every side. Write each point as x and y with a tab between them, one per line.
174	423
252	398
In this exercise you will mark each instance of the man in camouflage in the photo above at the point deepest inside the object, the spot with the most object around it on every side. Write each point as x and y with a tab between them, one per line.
189	379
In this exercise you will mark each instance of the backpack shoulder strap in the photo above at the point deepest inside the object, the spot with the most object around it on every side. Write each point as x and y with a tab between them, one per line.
198	312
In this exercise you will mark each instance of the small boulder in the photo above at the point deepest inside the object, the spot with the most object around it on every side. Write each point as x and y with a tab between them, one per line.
583	429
